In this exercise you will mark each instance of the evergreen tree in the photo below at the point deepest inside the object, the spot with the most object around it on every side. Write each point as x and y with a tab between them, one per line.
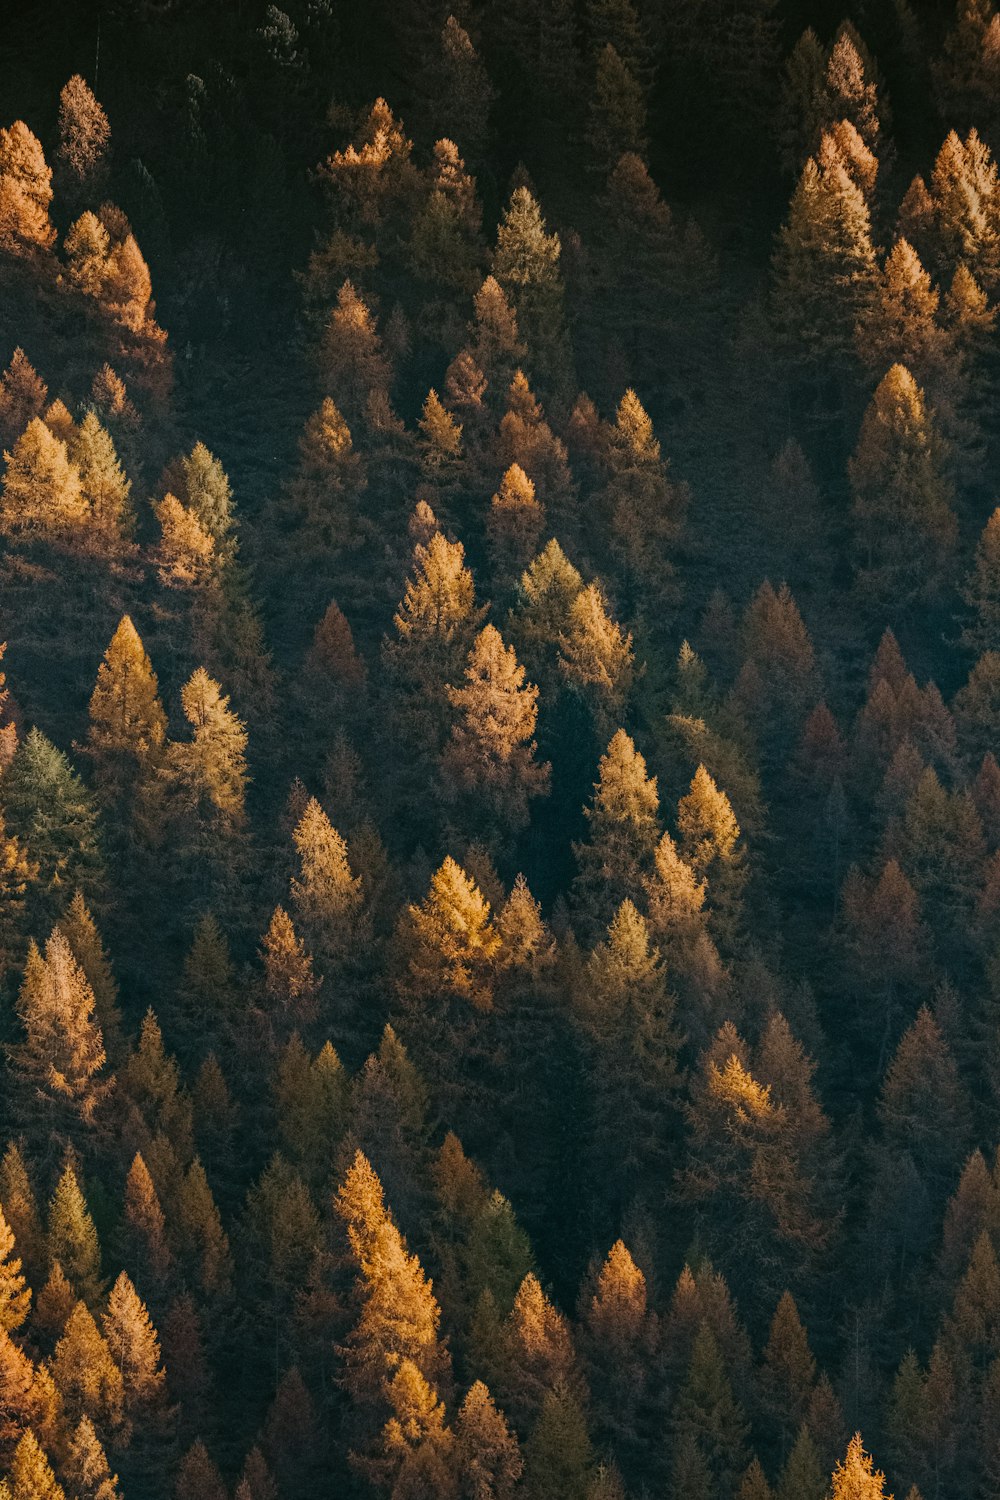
49	810
63	1050
127	728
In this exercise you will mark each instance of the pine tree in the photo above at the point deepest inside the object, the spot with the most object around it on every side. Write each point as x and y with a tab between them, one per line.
490	758
413	1453
824	269
185	555
982	590
198	1477
514	524
20	1209
558	1457
63	1051
627	1017
901	496
41	492
15	1295
802	1478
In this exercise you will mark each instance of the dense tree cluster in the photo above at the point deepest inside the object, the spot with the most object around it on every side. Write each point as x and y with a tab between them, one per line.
499	737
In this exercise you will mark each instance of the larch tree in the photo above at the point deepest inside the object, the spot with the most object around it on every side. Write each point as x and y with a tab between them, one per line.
144	1227
487	1458
23	395
526	265
618	1340
541	614
63	1049
87	1468
351	356
42	494
623	832
135	1349
25	193
15	1294
103	484
72	1238
514	524
82	156
87	1379
982	590
644	507
206	776
596	658
326	896
450	942
901	495
490	759
856	1477
328	482
617	111
710	843
30	1476
127	725
52	814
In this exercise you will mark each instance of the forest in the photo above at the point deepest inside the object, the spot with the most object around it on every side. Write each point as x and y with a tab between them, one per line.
499	734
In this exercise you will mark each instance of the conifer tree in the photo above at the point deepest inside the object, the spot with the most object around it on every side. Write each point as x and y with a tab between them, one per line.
901	496
20	1209
63	1050
22	396
708	1414
326	896
514	524
31	1476
526	265
619	1341
623	832
855	1477
789	1371
104	488
72	1238
50	811
617	111
84	142
15	1295
710	844
545	597
596	658
41	492
645	508
25	193
490	758
982	590
207	775
198	1477
352	361
127	725
558	1456
135	1349
627	1017
144	1228
488	1462
328	481
87	1467
87	1379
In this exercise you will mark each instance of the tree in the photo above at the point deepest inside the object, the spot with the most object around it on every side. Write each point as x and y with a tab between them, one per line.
618	1341
23	394
87	1467
645	508
397	1315
514	524
901	497
707	1413
488	1462
413	1453
87	1379
25	193
52	814
84	142
596	658
627	1017
623	830
526	267
789	1371
328	481
542	612
144	1228
198	1477
923	1108
15	1295
824	270
290	986
72	1238
352	361
710	844
855	1477
450	941
617	112
490	757
135	1349
63	1050
325	895
982	590
41	494
207	775
558	1457
103	485
128	726
31	1476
